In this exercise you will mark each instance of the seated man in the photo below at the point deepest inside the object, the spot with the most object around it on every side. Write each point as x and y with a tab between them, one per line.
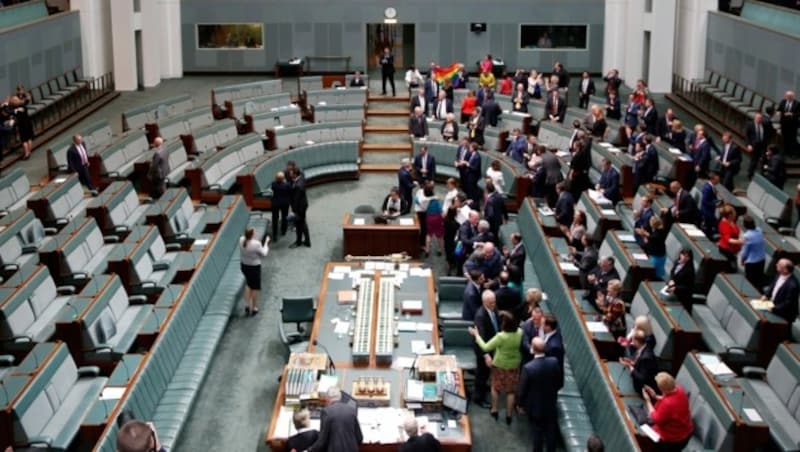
137	436
609	182
394	205
418	439
305	436
357	81
642	365
784	291
598	279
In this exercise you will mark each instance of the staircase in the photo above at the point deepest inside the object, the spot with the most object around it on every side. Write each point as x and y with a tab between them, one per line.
386	140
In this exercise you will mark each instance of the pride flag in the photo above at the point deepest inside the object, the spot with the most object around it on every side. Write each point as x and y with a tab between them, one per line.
440	74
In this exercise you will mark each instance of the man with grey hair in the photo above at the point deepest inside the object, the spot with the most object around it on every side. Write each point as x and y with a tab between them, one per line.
138	436
339	428
789	111
159	169
599	277
487	324
418	439
305	436
405	180
418	124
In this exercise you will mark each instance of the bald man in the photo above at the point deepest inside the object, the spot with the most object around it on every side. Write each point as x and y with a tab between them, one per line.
159	169
540	382
418	124
784	291
418	439
138	436
789	111
488	260
488	324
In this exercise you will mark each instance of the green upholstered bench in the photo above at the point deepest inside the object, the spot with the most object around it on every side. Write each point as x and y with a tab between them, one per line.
259	104
172	127
288	116
136	118
339	112
15	189
208	139
290	137
222	94
336	96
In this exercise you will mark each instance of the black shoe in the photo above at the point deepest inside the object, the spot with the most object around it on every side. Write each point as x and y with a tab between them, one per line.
493	414
307	244
247	311
508	420
295	245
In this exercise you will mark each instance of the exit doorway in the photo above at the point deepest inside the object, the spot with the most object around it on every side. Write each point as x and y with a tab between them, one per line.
399	38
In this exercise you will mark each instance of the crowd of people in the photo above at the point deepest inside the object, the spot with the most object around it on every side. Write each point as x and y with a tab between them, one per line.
15	121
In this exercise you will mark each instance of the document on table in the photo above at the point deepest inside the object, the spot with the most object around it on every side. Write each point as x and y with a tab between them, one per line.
652	434
406	222
546	211
640	256
627	238
568	266
407	326
608	212
403	362
200	242
336	276
424	326
675	151
598	197
695	233
605	145
762	305
341	327
597	327
359	221
421	272
59	180
421	348
112	392
341	269
753	415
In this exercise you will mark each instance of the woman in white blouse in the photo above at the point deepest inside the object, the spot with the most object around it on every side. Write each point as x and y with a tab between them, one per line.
535	85
251	252
494	173
452	192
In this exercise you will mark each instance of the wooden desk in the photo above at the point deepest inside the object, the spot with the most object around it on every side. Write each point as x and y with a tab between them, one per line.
339	348
372	239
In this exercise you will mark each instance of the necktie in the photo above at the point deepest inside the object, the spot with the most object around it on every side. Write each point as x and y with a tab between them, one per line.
84	158
725	156
555	106
677	202
494	320
760	133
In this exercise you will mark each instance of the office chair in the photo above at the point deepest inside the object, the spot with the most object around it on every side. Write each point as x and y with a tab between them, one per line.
364	209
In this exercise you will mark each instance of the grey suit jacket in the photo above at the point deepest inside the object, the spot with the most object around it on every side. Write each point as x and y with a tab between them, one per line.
159	167
339	430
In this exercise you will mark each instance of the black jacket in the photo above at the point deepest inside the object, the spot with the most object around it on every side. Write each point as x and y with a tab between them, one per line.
299	198
786	299
422	443
645	369
302	441
538	389
339	429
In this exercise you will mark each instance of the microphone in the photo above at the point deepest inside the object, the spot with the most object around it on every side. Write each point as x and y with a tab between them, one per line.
327	353
413	371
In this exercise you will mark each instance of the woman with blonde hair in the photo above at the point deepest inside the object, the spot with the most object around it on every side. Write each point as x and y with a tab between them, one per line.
670	413
251	251
655	245
449	129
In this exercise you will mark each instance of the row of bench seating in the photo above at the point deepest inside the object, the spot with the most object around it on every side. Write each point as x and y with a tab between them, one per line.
222	94
15	189
173	127
282	137
137	118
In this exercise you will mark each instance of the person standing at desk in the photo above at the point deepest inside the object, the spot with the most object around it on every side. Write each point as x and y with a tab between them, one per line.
252	251
405	181
386	60
305	436
339	427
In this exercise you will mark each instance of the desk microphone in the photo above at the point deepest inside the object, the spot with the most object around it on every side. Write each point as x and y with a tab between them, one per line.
327	353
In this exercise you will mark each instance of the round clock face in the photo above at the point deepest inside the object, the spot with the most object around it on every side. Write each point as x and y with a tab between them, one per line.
390	13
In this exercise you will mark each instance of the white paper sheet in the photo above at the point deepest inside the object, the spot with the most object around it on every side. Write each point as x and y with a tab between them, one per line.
200	242
675	151
341	269
652	434
608	212
359	221
605	145
336	276
627	238
568	266
341	327
546	211
424	326
421	348
406	221
407	326
753	415
112	393
403	362
59	180
640	256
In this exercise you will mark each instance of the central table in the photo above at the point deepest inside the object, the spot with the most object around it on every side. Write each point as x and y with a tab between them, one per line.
364	237
417	284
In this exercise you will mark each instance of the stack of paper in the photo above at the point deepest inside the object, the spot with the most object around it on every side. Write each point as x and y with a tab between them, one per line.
406	222
762	305
568	266
627	238
597	327
359	221
608	212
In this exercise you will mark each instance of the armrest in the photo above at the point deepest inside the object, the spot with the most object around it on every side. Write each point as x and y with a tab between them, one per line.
772	221
80	276
66	290
113	174
88	371
6	360
739	192
50	231
121	228
27	249
754	372
172	246
61	221
137	299
40	441
11	267
111	238
21	339
740	351
145	284
699	297
786	231
160	265
3	213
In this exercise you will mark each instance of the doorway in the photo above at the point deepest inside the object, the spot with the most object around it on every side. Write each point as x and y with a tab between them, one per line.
399	38
646	58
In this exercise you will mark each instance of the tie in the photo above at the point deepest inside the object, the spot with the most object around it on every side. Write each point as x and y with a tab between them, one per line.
84	159
494	320
760	133
725	157
677	202
555	105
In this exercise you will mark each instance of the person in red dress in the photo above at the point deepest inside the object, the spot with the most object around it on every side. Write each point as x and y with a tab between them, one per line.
672	419
730	241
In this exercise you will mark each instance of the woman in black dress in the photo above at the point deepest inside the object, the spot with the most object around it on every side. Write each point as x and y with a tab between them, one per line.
579	168
24	123
450	232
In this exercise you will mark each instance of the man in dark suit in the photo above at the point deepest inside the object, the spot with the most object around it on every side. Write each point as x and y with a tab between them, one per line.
78	162
789	111
646	165
642	218
488	261
599	277
339	427
642	366
442	106
585	260
664	127
613	81
405	180
784	291
386	61
553	342
305	436
159	169
609	182
585	90
491	110
775	167
431	88
467	233
518	146
488	324
565	207
702	154
417	124
515	256
419	101
299	207
683	209
730	160
418	441
471	300
424	166
757	137
473	175
462	156
709	202
540	382
356	81
508	298
555	107
494	211
682	279
650	117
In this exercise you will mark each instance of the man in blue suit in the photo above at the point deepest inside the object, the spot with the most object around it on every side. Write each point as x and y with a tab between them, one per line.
643	220
473	175
424	166
708	205
553	342
730	160
518	146
431	89
405	181
702	154
495	209
609	182
565	207
472	295
540	382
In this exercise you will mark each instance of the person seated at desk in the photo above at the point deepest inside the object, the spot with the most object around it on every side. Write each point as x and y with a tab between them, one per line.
681	278
784	291
339	427
599	277
585	260
670	413
609	182
642	365
305	436
418	439
394	205
356	81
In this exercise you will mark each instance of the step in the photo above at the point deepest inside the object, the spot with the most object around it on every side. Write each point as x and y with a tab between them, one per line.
379	98
386	129
379	167
404	112
387	147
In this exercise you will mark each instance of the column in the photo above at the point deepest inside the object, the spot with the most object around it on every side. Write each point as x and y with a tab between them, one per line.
171	45
124	45
95	29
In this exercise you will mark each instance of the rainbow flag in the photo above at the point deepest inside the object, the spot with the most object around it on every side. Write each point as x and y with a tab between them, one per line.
440	74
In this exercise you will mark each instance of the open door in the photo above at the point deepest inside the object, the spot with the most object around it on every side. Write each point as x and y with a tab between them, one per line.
398	37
